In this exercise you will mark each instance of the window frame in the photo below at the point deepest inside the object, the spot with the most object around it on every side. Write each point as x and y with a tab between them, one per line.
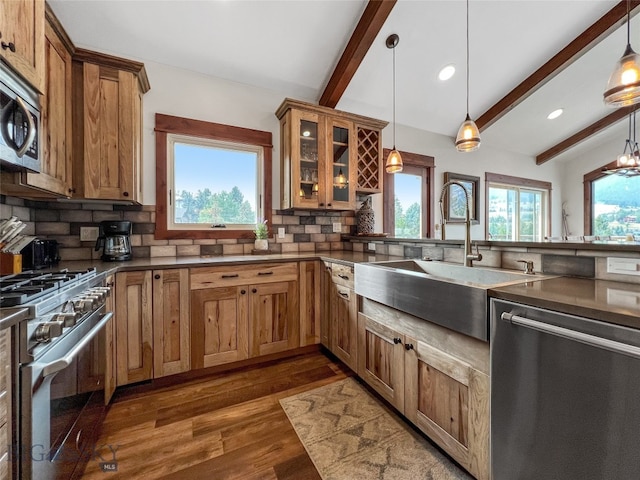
171	125
415	164
519	183
588	180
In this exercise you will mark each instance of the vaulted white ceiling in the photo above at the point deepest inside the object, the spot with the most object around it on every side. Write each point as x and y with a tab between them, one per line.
293	47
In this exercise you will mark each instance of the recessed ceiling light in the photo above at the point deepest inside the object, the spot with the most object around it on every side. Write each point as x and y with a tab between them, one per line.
555	114
447	72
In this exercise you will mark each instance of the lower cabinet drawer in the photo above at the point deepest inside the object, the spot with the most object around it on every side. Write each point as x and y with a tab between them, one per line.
208	277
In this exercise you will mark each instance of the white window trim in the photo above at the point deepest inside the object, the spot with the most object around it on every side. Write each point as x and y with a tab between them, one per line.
172	139
545	206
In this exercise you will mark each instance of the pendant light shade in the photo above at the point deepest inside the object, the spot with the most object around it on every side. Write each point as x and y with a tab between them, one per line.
623	88
628	162
624	84
468	138
394	160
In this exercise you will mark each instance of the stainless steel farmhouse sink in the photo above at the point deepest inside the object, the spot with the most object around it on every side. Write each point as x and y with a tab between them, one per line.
451	295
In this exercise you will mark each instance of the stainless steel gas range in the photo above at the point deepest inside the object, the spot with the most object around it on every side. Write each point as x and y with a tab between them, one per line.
61	372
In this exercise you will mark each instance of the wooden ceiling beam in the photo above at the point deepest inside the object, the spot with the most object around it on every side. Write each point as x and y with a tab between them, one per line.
611	20
371	21
598	126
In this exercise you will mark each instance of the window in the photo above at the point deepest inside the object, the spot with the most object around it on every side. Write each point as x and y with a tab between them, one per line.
613	204
518	209
409	214
213	181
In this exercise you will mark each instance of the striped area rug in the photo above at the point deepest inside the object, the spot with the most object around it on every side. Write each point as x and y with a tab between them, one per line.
350	435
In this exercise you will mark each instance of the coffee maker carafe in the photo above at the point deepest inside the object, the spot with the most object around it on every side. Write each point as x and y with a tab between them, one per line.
115	241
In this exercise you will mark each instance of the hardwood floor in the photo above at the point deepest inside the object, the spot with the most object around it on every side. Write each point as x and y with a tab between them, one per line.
225	426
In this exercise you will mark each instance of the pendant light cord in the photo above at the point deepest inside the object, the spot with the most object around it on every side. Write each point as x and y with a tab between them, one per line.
628	22
394	97
467	58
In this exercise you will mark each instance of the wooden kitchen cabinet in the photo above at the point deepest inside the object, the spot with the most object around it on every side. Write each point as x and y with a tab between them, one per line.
134	327
343	315
171	322
310	301
448	399
22	37
436	377
107	125
55	177
327	156
243	311
381	359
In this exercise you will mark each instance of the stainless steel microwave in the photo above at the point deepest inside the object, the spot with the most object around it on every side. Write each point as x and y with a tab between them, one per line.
19	123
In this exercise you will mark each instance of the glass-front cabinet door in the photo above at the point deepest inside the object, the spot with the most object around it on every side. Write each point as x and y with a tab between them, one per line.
341	171
307	166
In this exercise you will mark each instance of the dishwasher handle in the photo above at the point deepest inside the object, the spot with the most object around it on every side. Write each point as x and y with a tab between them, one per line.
591	340
62	363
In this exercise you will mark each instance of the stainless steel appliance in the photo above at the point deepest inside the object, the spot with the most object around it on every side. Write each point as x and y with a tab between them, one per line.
115	240
565	396
62	354
19	123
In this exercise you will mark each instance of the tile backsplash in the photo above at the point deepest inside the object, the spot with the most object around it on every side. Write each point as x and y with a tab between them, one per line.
304	231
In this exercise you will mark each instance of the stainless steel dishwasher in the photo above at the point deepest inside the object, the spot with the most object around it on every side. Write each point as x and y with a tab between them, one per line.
565	396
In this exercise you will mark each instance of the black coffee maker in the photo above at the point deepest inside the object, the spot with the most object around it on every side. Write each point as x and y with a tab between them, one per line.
115	241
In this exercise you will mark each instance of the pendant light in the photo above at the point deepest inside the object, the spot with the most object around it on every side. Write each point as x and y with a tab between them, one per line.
468	138
394	160
623	87
628	162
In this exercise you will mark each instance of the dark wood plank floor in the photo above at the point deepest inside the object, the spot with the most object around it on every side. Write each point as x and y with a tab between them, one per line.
225	426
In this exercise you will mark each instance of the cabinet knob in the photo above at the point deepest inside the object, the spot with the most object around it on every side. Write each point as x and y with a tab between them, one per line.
11	46
408	346
396	341
328	204
157	276
125	194
242	292
321	204
344	277
254	290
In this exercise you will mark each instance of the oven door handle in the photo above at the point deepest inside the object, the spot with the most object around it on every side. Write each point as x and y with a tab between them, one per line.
64	362
31	132
587	339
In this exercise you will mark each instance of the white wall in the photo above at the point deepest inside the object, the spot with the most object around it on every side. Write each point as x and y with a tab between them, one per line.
187	94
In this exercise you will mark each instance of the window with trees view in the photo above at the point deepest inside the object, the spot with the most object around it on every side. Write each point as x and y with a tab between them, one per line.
614	204
213	181
517	208
409	215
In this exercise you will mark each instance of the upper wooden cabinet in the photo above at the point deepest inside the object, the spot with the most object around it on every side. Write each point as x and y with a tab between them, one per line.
327	156
107	124
55	177
22	38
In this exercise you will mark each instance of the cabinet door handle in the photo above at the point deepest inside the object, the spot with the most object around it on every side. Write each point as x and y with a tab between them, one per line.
344	295
254	290
321	204
396	341
11	46
328	204
126	194
234	275
157	276
264	273
242	292
408	346
344	277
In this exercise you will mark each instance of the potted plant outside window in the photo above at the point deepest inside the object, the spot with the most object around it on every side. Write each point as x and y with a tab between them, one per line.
262	236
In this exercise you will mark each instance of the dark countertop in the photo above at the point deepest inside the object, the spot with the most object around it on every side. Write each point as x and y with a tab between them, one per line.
10	316
345	257
613	302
